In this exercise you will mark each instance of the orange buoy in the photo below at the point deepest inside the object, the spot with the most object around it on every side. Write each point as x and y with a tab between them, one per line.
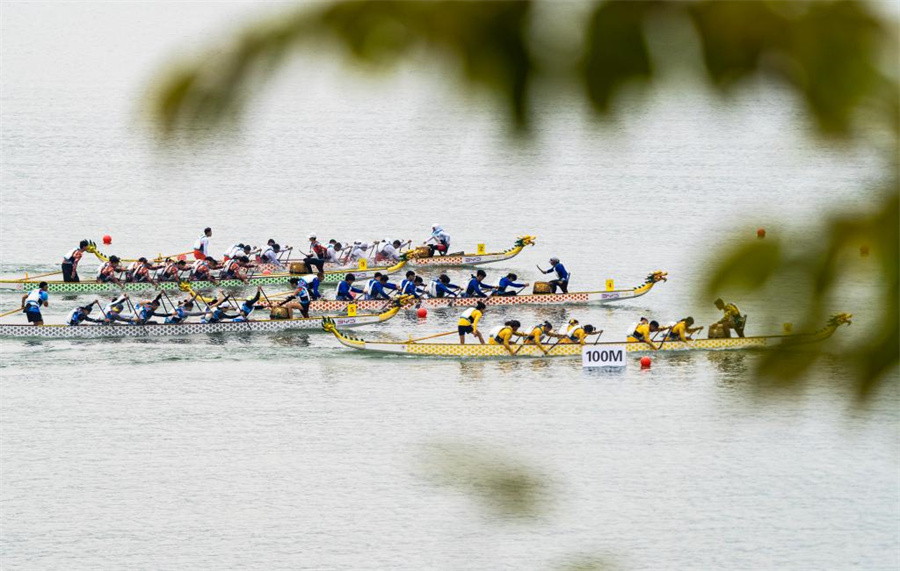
182	257
266	272
760	233
422	312
107	239
645	362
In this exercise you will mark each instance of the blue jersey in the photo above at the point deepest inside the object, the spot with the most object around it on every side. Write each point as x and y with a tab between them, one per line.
180	315
506	282
35	299
314	289
474	289
377	290
408	287
344	289
561	273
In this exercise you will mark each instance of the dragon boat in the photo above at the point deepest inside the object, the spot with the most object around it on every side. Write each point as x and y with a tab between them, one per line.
103	331
93	286
583	297
421	256
477	351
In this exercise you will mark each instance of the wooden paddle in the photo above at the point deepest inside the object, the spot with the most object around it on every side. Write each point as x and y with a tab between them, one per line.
431	337
12	311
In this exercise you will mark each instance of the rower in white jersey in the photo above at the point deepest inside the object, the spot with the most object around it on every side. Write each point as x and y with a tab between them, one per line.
270	255
201	246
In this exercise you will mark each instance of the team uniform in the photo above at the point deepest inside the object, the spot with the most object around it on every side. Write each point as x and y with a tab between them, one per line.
33	302
468	321
201	247
70	265
504	283
438	289
78	316
345	291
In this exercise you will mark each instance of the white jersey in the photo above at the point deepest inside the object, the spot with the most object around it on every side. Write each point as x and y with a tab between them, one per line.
34	298
368	289
202	244
270	257
496	331
358	252
331	255
234	251
389	251
441	236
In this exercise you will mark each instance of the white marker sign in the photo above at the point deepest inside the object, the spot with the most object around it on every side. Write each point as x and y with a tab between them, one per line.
603	356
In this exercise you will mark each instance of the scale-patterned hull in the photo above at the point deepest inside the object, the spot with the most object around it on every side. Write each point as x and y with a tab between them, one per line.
93	286
478	351
91	331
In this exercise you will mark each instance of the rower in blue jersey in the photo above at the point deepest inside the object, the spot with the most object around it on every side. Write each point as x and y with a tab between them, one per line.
509	280
379	288
562	276
32	302
215	312
345	289
146	309
112	311
441	287
81	314
477	287
314	286
184	310
301	294
248	306
408	285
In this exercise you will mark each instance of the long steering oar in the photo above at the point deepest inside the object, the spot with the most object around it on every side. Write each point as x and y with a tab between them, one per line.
411	340
11	311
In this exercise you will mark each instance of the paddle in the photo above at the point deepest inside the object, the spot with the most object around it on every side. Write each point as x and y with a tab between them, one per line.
430	337
12	311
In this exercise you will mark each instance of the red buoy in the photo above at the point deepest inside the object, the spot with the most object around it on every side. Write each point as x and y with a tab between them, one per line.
107	239
266	272
645	362
760	233
182	257
422	312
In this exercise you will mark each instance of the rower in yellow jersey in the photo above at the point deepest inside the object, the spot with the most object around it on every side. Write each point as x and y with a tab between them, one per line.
576	333
732	318
503	334
537	332
468	323
641	333
682	330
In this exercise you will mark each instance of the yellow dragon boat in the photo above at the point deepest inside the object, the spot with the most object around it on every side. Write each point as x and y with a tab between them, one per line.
477	351
421	256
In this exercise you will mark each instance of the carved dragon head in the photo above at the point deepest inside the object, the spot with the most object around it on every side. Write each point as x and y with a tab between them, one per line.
839	319
657	276
525	241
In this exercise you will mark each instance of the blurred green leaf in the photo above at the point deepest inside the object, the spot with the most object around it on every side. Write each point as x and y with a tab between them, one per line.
747	267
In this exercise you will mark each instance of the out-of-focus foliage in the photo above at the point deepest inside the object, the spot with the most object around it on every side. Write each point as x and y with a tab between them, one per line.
839	58
507	487
828	52
816	269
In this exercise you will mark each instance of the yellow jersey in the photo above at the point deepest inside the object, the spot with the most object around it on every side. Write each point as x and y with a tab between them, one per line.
641	333
470	317
502	337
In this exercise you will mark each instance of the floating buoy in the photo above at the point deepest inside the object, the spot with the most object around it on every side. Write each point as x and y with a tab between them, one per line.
645	362
107	239
182	257
422	312
864	251
266	272
760	233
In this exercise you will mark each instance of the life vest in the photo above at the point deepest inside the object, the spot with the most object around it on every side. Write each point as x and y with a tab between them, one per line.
201	268
73	257
34	300
233	267
319	250
247	308
76	316
215	316
114	307
302	291
107	270
571	333
178	317
171	271
369	285
637	334
467	314
270	256
538	326
433	288
496	331
144	311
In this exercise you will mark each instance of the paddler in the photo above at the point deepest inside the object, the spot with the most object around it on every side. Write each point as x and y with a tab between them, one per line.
70	262
509	281
440	238
389	252
477	287
358	252
733	318
642	332
441	287
345	289
214	311
316	255
270	255
202	270
139	271
302	296
146	309
184	310
538	332
501	335
379	287
247	307
682	330
112	311
172	271
234	269
468	323
108	271
333	252
33	301
81	314
201	246
408	285
236	251
576	333
562	276
314	284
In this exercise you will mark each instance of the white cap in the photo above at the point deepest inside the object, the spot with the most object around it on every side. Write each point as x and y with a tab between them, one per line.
554	259
435	225
312	234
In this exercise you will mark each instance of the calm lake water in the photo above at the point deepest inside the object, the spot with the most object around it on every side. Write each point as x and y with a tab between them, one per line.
291	452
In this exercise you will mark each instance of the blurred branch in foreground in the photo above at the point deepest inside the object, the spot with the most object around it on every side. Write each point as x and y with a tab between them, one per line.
830	53
816	269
